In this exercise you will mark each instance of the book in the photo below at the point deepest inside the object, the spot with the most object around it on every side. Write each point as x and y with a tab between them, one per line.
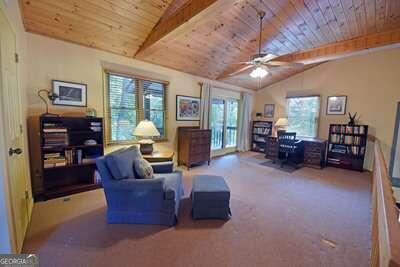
55	130
55	160
79	156
88	161
52	155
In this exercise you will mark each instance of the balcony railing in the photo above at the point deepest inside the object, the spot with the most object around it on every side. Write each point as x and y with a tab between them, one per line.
217	137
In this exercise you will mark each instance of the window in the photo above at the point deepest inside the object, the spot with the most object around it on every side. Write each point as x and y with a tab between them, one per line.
303	115
130	100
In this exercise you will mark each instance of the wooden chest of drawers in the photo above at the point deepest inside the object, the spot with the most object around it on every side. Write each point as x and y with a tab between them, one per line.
314	152
194	146
271	148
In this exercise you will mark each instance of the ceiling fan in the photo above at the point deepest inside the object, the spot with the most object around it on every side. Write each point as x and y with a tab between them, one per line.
262	63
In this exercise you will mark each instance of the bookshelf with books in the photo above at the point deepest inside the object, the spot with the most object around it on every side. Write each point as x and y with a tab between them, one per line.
347	146
69	147
260	130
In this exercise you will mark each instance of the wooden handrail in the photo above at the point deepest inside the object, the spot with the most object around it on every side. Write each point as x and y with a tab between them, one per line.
385	249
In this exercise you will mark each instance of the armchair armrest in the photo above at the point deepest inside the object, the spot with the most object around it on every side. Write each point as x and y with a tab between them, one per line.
173	185
162	167
169	193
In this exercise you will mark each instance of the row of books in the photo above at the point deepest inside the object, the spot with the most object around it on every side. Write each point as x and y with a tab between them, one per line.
347	139
55	139
70	156
262	124
350	150
52	125
347	129
96	126
334	161
259	130
52	160
73	156
258	148
258	138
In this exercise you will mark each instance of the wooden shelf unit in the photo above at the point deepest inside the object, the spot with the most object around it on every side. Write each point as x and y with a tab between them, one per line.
347	146
76	170
259	132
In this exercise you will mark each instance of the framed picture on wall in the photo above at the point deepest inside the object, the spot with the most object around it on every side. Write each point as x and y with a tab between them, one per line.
336	105
187	108
70	93
269	110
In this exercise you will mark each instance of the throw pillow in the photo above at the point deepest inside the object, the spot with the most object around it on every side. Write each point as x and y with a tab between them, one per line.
143	169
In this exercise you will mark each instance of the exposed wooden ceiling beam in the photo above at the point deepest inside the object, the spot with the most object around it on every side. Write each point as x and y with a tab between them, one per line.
356	46
183	18
338	50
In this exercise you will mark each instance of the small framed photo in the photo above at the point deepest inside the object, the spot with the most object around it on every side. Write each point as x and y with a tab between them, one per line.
70	94
269	110
336	105
187	108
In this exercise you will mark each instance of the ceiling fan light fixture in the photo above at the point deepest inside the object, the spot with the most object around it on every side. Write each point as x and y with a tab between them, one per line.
259	72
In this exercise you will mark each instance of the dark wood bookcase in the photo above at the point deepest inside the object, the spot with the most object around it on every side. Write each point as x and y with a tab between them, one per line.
68	149
347	146
259	132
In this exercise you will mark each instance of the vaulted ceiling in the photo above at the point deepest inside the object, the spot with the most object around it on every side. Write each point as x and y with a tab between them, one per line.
209	38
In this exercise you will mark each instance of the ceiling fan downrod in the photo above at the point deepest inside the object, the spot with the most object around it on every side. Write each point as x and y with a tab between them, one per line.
261	15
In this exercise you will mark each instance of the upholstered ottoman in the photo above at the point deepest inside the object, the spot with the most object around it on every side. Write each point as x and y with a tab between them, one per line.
210	197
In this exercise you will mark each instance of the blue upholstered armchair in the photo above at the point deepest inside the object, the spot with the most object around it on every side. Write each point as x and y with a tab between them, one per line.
142	201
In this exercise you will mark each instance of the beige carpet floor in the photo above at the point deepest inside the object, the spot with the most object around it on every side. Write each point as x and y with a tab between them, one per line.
306	218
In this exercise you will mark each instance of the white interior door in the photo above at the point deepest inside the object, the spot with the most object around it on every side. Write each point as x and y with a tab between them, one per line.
11	112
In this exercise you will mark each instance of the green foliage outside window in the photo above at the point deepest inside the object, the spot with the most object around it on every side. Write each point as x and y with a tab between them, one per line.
303	115
124	107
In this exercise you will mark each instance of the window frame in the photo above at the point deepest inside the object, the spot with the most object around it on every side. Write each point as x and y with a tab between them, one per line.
140	113
317	119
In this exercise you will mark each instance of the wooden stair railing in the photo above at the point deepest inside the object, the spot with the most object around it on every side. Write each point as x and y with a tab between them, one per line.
385	247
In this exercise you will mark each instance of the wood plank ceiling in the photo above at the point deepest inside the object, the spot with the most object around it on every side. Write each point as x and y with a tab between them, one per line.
208	38
117	26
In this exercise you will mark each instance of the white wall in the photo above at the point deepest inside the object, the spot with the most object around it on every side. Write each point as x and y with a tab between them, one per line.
371	83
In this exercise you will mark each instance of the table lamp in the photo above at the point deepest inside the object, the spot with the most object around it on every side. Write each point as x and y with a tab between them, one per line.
281	124
146	130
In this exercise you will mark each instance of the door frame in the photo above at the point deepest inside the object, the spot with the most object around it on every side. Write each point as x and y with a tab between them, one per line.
225	150
395	180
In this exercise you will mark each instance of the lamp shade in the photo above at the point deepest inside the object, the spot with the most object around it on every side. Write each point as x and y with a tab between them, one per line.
146	128
282	122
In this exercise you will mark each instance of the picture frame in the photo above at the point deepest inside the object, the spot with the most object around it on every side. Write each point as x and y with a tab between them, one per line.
70	93
269	110
336	105
187	108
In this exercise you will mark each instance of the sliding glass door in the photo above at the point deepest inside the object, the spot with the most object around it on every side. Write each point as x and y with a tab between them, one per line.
224	123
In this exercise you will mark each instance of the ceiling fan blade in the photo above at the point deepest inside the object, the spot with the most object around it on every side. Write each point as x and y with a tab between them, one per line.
283	64
243	62
236	72
268	57
274	68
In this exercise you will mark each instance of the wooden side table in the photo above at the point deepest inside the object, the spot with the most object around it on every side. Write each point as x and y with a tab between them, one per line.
160	156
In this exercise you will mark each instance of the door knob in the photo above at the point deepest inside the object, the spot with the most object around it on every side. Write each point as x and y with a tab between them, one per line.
16	151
